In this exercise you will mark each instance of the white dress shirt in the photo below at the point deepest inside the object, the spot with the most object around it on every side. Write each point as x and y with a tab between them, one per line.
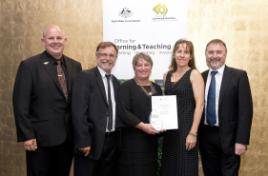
218	79
104	80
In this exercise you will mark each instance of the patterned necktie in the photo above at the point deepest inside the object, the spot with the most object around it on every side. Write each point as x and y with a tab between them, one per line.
62	79
211	101
110	105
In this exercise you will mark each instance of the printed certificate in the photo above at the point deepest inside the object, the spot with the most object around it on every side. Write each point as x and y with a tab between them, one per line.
164	112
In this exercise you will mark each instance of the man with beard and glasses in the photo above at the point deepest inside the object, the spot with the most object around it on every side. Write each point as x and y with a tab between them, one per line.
94	109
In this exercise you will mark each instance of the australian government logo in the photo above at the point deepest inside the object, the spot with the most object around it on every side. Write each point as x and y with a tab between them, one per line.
161	13
125	14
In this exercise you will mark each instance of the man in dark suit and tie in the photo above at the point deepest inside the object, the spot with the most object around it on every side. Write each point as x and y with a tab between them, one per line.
41	102
94	111
225	130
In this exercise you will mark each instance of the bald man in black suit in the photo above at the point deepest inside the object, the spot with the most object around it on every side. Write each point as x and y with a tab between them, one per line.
41	101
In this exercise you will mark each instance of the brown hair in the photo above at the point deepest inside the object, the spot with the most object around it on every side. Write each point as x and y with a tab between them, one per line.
189	45
106	44
141	55
217	41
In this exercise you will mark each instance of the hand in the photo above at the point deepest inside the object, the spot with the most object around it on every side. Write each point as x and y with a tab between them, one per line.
191	140
30	145
85	150
240	149
147	128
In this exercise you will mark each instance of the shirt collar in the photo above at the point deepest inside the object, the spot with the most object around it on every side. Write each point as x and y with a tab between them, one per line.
54	60
219	70
102	72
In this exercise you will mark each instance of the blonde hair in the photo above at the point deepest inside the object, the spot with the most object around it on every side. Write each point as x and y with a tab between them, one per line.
141	55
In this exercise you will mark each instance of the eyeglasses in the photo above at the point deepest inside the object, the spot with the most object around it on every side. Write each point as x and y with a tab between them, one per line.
106	55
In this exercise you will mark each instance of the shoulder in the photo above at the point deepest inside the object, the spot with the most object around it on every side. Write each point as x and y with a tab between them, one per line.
73	63
204	72
127	87
196	76
71	60
30	63
235	72
86	74
157	87
167	76
169	73
116	79
128	83
33	59
86	78
195	72
90	72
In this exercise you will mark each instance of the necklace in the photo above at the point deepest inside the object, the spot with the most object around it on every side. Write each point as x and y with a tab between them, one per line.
150	91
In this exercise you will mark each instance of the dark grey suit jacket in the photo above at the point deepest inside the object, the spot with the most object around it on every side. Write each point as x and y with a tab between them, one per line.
90	110
40	108
235	108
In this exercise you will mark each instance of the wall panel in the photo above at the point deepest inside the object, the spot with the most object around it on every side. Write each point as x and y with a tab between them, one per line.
241	24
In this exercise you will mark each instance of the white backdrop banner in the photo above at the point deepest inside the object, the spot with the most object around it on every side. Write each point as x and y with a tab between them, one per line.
144	26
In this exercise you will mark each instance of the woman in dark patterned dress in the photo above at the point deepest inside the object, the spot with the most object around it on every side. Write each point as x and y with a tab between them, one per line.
138	150
180	155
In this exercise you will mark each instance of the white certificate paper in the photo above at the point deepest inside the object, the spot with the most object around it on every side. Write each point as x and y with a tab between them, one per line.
164	112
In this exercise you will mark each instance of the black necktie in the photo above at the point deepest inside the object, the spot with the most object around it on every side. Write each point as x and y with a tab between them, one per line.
62	79
211	101
110	105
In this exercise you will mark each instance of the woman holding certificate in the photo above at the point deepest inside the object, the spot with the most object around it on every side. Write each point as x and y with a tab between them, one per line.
180	155
138	154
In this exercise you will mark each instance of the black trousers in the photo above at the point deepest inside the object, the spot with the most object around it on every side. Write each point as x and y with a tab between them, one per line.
104	166
50	161
215	162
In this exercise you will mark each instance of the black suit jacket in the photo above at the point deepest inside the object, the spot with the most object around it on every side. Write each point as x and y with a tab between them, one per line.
235	108
90	110
40	108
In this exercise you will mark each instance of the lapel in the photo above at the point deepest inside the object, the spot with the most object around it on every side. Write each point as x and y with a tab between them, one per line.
48	64
100	85
224	84
205	76
115	85
69	72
